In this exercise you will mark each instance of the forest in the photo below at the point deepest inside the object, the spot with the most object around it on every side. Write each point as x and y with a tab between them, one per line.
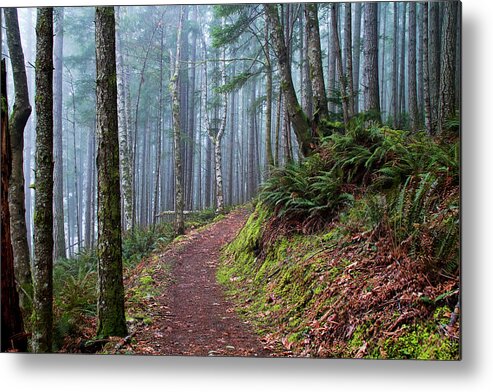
232	180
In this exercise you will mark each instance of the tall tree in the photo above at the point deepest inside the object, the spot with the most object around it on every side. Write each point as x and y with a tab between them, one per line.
371	85
411	65
426	71
216	132
447	73
43	201
346	106
20	115
13	337
174	87
434	60
110	311
356	52
320	109
58	215
123	128
299	120
159	131
394	96
402	71
348	56
269	158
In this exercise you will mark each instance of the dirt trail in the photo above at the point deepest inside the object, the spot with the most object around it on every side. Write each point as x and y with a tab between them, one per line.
192	316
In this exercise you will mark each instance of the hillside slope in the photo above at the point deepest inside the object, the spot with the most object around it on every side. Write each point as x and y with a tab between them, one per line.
367	267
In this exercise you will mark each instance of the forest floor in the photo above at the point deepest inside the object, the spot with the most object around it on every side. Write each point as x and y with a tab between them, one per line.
176	306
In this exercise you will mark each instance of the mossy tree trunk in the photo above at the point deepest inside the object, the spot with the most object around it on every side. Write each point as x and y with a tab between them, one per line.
110	309
174	84
447	72
320	109
299	120
18	121
13	337
43	201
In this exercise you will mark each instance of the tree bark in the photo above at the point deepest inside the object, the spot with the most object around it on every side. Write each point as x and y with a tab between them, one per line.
426	72
357	52
413	99
13	337
43	203
402	72
395	98
434	61
340	71
301	124
159	133
348	59
447	73
58	214
110	310
123	131
18	120
179	199
320	109
371	85
269	161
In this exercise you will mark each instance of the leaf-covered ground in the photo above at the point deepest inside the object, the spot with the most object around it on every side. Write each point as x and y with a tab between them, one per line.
175	305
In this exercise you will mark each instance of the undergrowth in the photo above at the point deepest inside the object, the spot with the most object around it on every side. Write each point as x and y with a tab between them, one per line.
351	252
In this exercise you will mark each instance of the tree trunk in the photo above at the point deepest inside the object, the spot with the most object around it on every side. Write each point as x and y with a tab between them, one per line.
395	98
349	59
426	72
413	99
402	72
357	52
269	161
307	95
13	337
434	61
58	215
43	203
159	133
320	109
89	190
297	117
371	85
18	121
110	310
419	60
340	71
123	131
179	199
447	73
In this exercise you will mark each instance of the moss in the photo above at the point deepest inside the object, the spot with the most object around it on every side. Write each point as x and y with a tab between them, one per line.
421	341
